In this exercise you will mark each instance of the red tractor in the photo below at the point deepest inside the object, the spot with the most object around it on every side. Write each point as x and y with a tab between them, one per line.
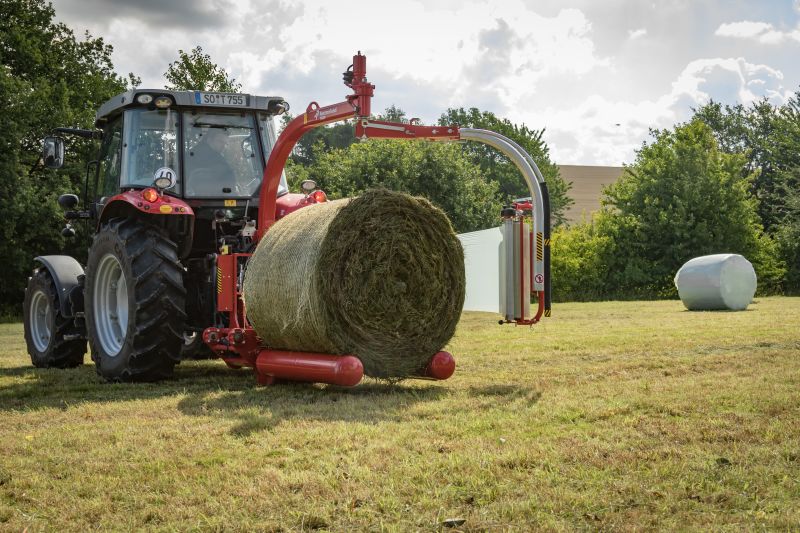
184	186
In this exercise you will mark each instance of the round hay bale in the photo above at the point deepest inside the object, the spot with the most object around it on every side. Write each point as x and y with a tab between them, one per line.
716	282
380	276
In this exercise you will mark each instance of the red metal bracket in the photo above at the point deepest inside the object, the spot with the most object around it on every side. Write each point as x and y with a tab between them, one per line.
356	104
379	129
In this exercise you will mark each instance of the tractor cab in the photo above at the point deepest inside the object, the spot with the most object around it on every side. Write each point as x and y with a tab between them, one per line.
207	146
192	153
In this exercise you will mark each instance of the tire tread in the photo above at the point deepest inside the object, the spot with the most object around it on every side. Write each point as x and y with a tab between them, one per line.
159	293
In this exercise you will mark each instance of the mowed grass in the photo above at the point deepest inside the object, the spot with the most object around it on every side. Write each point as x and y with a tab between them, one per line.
635	415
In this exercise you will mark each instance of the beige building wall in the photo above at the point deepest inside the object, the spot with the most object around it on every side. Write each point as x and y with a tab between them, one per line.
587	183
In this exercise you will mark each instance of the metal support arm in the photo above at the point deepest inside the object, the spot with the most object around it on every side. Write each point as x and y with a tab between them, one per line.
532	177
357	104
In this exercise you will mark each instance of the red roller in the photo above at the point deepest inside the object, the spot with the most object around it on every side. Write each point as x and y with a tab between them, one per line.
441	366
344	370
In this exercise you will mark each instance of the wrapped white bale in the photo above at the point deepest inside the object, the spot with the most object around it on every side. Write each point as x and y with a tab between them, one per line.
720	281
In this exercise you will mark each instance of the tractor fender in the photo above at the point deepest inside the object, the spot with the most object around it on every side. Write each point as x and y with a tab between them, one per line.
175	215
65	271
164	205
291	202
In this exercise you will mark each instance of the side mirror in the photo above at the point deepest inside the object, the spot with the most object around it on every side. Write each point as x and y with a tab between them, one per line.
53	152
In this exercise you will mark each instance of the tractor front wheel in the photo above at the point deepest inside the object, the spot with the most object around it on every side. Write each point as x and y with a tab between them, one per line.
134	302
52	339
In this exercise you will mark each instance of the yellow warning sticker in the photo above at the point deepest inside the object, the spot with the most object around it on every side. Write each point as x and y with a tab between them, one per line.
165	209
539	246
230	203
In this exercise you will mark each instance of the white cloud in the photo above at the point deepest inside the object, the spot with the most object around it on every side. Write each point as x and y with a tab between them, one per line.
730	80
761	32
577	72
588	133
636	34
494	57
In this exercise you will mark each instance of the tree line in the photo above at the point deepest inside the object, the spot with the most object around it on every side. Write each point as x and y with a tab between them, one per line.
726	181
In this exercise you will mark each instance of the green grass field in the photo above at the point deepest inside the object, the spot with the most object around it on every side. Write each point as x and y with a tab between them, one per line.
635	415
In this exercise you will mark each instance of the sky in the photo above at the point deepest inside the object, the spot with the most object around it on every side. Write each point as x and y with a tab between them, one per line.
595	75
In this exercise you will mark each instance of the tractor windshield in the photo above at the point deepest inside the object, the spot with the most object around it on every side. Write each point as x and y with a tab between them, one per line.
222	156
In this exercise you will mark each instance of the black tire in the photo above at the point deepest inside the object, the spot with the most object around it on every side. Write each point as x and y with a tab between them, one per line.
153	302
195	349
55	351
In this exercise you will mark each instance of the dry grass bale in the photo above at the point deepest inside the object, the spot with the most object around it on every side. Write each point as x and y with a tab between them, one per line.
380	276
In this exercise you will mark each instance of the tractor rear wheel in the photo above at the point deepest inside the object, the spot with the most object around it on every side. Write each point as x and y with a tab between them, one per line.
52	339
134	302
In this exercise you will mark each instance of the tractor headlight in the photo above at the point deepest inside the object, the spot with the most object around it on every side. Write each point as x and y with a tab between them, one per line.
163	102
144	99
308	186
164	178
164	183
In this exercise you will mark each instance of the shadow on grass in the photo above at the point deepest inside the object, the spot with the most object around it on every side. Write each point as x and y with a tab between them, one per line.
713	311
263	408
209	388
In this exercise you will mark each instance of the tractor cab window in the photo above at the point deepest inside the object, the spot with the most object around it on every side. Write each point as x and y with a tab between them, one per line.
267	125
110	163
151	144
222	157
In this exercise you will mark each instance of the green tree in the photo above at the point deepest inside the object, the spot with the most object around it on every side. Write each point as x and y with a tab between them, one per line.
393	114
683	197
580	255
333	136
194	71
787	232
499	169
437	171
768	137
786	150
320	140
48	78
750	131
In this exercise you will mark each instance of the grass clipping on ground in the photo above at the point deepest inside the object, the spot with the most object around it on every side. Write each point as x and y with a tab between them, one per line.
380	276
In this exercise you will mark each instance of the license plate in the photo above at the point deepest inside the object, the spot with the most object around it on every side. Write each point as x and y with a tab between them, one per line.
221	99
